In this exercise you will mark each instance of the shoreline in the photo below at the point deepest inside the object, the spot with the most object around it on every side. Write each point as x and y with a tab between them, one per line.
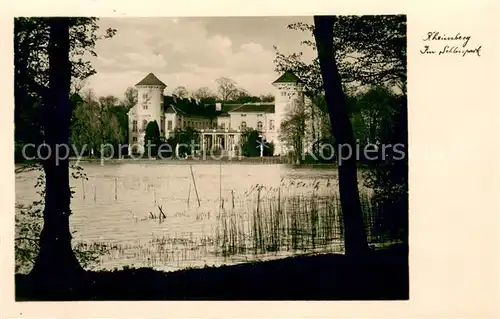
381	275
223	161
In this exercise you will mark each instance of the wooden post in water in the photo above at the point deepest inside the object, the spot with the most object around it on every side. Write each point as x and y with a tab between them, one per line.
189	194
220	183
116	190
232	197
194	183
94	193
83	188
154	194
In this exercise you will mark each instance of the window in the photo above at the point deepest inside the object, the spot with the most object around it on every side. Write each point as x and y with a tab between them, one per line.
223	125
134	139
283	93
162	125
144	124
169	125
134	126
243	115
145	106
259	126
243	125
271	124
144	96
259	115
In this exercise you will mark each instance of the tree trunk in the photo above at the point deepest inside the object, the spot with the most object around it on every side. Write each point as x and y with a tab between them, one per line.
56	257
354	232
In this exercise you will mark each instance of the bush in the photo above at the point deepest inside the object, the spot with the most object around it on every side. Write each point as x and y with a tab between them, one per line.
185	137
152	136
269	149
250	143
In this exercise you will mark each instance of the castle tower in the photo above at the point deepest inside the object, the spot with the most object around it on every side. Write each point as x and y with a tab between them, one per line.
288	89
148	108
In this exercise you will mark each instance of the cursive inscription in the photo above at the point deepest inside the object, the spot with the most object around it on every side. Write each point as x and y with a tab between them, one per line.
437	43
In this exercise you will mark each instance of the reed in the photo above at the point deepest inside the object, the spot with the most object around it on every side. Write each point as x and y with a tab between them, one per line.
299	223
292	218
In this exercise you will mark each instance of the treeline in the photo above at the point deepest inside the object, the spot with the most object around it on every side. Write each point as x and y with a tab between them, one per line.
98	121
227	92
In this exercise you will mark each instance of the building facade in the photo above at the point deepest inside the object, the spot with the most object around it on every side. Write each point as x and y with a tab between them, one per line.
219	125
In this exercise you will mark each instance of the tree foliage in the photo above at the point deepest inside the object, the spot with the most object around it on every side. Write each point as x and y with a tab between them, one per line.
31	65
369	50
184	138
152	137
130	98
372	114
98	121
267	97
251	142
202	93
181	92
293	129
226	89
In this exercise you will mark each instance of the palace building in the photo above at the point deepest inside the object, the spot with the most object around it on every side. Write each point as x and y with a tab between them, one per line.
219	124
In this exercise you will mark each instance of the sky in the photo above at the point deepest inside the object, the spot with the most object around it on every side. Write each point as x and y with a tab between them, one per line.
194	52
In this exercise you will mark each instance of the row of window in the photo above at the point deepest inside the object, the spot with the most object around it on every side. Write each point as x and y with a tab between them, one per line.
198	125
260	125
244	115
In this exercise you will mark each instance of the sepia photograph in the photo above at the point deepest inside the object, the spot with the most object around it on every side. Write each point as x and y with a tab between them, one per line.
211	158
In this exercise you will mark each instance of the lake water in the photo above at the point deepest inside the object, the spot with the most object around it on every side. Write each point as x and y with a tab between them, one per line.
119	205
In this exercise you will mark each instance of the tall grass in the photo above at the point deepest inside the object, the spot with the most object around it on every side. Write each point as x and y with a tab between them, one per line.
299	223
294	218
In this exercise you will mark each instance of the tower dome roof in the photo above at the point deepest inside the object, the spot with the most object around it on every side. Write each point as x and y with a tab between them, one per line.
288	77
151	79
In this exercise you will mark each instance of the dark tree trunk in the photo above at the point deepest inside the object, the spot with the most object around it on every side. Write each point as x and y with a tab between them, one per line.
56	257
354	232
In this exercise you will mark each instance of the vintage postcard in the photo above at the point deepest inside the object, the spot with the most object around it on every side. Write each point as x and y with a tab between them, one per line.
224	152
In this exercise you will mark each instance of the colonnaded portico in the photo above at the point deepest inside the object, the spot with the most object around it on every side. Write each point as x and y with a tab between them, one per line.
226	142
